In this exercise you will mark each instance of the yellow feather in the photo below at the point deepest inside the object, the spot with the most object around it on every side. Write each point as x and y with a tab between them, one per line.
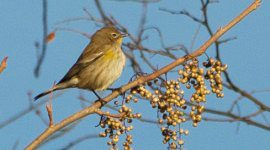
110	54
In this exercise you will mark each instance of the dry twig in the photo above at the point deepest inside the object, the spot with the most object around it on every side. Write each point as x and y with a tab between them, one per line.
92	109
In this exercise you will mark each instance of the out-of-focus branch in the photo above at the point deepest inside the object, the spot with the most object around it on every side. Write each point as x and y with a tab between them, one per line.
235	88
245	119
79	140
41	56
74	31
60	133
182	12
19	115
22	113
97	105
16	144
106	20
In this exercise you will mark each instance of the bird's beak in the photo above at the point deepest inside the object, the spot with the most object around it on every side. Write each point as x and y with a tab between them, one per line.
124	34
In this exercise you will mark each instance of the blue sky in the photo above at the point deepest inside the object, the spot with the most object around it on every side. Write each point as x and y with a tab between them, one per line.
247	58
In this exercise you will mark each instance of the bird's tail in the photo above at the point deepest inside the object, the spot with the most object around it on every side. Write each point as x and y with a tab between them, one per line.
44	93
58	86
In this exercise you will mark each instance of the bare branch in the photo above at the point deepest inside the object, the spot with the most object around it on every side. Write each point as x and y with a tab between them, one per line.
92	109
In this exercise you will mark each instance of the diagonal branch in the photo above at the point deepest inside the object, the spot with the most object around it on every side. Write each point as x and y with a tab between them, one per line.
92	109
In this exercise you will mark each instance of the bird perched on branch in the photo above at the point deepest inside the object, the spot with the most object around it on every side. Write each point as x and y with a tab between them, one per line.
99	65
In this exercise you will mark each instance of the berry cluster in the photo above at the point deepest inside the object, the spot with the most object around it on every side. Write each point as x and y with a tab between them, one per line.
115	126
171	105
168	98
191	74
170	134
213	74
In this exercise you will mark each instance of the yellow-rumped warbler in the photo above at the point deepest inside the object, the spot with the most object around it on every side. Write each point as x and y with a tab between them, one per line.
100	64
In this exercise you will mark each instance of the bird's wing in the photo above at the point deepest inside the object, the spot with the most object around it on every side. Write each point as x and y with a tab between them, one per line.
90	54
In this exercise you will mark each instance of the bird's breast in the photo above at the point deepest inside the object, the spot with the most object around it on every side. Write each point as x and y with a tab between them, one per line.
105	71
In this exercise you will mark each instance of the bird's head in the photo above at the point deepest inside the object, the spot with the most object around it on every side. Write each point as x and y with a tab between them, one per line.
108	35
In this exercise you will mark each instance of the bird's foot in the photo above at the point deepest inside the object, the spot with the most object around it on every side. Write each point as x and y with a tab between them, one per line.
103	102
116	89
113	89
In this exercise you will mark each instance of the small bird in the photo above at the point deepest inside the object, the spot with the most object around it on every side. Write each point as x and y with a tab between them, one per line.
99	65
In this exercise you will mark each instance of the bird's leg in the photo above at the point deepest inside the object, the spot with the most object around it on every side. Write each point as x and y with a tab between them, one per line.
99	98
96	94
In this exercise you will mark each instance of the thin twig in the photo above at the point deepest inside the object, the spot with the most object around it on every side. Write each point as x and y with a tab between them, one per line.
91	109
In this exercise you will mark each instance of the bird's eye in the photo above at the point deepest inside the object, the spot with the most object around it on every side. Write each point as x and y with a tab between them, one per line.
114	35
